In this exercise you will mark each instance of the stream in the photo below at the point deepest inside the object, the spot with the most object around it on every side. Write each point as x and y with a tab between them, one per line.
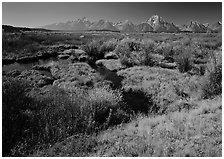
29	65
104	73
132	98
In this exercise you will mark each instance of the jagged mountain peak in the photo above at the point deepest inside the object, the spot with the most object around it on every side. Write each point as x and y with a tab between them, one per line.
128	22
196	26
155	23
83	19
126	26
206	24
192	22
155	19
218	23
160	25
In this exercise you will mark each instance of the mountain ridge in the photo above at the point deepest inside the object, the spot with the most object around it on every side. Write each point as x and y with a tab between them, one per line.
153	24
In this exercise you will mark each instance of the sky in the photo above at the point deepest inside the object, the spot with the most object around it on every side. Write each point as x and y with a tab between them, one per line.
37	14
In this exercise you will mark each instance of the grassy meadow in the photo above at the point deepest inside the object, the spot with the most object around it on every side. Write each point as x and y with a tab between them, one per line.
169	102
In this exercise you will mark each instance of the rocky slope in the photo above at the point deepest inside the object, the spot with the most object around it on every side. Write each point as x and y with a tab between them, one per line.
143	27
217	27
126	26
196	27
160	25
103	25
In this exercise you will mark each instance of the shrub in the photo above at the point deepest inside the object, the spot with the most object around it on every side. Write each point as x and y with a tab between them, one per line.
213	79
148	44
213	83
108	46
184	60
129	44
15	105
134	52
103	102
93	50
186	41
163	48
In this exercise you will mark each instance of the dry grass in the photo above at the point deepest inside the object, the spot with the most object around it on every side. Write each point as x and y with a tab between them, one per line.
197	133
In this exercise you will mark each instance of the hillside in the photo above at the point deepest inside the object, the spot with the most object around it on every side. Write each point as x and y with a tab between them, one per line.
102	25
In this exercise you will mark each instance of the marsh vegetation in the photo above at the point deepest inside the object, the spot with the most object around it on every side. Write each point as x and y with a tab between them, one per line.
139	94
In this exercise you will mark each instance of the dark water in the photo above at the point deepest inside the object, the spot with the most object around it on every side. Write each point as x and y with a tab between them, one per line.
110	76
29	65
104	73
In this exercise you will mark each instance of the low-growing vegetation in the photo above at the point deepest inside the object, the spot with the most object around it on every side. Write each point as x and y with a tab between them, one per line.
164	98
135	52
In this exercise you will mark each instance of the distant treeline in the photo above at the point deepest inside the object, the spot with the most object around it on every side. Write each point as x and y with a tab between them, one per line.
12	29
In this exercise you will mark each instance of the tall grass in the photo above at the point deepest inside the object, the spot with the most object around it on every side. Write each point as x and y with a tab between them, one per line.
212	84
33	123
15	106
103	102
184	59
93	50
30	43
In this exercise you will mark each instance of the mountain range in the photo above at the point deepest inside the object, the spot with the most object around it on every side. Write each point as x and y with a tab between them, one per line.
153	24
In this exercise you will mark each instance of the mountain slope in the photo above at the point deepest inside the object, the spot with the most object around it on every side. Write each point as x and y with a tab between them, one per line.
143	27
217	27
103	25
80	24
196	27
154	24
126	26
160	25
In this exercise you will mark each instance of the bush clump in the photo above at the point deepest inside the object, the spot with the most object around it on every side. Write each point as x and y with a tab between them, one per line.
184	60
102	103
133	52
93	50
108	46
213	79
96	49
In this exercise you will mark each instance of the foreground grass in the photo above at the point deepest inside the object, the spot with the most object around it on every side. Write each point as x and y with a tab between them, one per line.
197	133
194	133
